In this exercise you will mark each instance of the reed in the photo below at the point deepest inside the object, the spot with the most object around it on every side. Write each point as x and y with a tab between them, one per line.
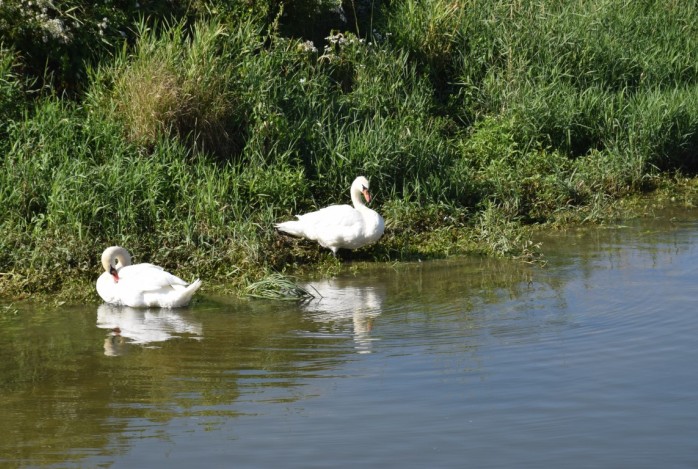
12	86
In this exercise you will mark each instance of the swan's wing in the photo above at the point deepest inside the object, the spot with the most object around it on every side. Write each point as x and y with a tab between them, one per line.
334	216
334	226
149	277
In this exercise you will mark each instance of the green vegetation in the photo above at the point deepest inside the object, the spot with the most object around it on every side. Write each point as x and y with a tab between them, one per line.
277	286
185	135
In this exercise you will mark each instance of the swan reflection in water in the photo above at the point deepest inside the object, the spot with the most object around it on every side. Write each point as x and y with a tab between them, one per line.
339	301
129	326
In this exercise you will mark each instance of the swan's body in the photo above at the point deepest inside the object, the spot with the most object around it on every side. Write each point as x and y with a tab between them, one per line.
141	285
340	226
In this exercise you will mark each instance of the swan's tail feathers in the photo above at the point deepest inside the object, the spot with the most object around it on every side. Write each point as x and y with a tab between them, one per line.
186	294
195	285
291	227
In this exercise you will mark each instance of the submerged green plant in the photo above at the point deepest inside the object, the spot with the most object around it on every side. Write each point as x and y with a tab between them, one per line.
276	286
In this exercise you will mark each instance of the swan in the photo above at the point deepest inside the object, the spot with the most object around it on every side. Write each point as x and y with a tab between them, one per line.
340	226
140	285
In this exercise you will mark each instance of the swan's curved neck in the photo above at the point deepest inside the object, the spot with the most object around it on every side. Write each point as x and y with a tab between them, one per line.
357	198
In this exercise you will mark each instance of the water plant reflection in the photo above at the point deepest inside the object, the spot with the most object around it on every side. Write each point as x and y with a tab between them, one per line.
128	326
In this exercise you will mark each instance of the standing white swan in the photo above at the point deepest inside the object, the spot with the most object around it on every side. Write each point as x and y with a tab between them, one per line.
140	285
340	226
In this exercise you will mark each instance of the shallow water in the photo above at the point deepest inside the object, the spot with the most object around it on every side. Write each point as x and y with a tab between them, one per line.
587	362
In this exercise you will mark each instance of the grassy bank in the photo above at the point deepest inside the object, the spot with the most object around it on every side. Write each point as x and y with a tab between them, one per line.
472	121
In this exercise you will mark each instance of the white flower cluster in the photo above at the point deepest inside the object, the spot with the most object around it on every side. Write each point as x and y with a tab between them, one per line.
337	41
56	29
308	47
44	16
103	26
341	40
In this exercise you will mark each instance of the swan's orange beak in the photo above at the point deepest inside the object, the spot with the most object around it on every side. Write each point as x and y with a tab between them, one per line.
114	274
367	196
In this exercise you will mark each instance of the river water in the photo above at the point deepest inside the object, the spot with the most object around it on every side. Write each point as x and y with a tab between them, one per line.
590	361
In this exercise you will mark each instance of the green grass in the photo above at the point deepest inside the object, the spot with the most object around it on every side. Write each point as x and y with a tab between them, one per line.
472	121
276	286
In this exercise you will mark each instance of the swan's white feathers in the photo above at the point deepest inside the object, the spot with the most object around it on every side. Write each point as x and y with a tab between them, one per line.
340	226
141	285
149	277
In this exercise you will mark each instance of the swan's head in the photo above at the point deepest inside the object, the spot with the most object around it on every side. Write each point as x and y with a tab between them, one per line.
113	259
360	186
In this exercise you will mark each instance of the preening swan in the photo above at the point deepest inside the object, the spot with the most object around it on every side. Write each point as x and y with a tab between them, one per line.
340	226
141	285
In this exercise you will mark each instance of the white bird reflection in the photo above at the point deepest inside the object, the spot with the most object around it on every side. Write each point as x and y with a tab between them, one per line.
130	326
340	301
